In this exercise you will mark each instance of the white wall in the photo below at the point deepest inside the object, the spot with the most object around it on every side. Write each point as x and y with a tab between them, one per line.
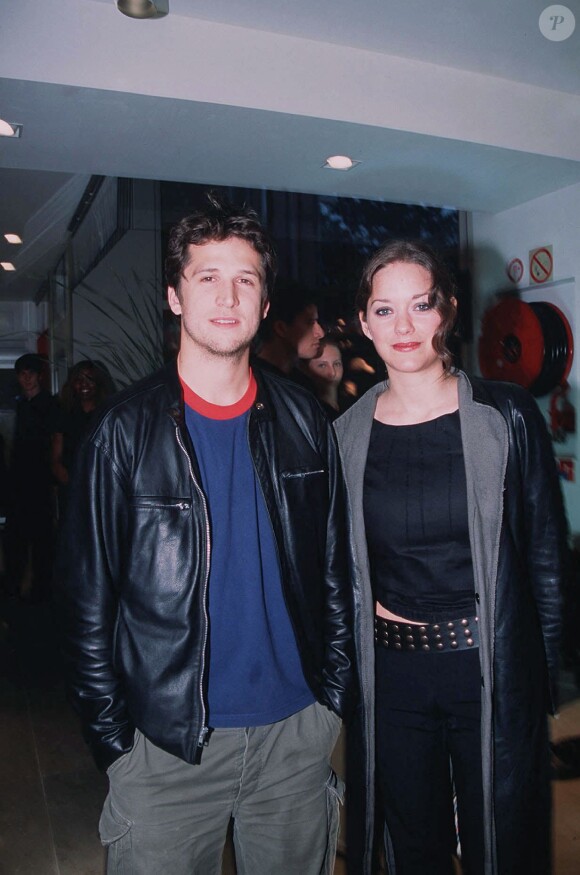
553	219
20	324
281	73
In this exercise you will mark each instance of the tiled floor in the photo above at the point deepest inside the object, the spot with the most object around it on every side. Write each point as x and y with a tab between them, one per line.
51	794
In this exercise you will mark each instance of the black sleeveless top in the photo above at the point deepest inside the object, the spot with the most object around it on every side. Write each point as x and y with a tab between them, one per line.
415	510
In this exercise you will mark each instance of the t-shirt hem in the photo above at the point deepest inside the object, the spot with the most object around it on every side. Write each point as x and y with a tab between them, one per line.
234	721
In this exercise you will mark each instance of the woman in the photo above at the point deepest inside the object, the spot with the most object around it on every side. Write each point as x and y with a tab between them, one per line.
459	538
326	372
88	385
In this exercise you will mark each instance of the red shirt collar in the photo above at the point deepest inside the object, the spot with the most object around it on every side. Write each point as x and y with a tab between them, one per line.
220	411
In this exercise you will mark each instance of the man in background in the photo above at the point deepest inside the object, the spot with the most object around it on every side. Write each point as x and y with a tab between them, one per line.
29	518
290	333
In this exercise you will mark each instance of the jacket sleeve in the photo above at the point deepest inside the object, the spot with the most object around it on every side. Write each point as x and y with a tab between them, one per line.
545	528
340	676
87	580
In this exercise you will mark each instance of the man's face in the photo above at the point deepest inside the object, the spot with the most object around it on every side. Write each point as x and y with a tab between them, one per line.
29	382
304	333
220	298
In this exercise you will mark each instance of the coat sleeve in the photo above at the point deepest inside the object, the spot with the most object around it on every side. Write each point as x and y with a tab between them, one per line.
340	672
86	584
545	528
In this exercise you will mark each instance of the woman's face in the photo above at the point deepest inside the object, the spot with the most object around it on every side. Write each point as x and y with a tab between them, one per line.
327	368
399	319
84	385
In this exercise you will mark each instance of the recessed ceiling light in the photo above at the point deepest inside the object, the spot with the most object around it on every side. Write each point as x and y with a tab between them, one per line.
10	129
12	238
340	162
137	8
7	265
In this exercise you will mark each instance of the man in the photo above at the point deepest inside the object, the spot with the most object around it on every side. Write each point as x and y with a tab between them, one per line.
29	520
291	334
205	588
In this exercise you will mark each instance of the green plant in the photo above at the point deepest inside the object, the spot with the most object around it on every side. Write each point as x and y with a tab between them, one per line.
137	318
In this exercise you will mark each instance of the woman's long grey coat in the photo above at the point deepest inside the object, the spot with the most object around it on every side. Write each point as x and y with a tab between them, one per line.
518	542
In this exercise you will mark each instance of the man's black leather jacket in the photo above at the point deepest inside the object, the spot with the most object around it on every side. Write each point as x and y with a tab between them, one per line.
136	550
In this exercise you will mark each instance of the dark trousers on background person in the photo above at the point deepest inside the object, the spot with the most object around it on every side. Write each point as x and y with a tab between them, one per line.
29	545
428	736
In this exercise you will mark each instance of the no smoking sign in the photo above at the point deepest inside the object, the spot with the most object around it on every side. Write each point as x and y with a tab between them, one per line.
541	264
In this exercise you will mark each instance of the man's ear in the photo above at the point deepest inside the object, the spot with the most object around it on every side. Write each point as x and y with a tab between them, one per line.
364	324
453	300
265	308
173	301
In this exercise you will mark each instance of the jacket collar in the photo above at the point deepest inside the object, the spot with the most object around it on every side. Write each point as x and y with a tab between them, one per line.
473	390
176	409
262	408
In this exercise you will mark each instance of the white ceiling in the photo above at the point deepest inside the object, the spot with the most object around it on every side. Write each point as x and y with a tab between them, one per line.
458	103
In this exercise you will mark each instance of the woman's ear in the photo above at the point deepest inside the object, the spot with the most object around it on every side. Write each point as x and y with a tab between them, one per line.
364	324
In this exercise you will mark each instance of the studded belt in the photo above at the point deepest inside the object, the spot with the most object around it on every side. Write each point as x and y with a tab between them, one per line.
446	636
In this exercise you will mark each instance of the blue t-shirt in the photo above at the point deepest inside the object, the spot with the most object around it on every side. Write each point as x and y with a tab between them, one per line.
255	675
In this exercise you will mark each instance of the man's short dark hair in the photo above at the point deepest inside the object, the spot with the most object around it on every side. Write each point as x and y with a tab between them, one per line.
288	300
29	362
219	221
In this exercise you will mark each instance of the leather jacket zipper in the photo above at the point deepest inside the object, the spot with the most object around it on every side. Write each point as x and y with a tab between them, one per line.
202	739
178	505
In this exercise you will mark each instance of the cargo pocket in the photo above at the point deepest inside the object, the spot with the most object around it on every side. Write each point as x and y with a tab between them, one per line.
115	834
334	799
112	825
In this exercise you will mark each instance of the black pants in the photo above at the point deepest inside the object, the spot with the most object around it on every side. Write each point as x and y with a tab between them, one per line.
28	537
428	717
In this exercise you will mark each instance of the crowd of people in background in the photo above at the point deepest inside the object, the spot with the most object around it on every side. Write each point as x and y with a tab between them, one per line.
333	362
47	431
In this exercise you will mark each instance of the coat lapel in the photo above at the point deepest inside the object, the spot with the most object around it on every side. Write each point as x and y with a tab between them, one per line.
485	441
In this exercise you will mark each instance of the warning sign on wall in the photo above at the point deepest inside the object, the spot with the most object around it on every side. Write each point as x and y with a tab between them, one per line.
515	270
541	264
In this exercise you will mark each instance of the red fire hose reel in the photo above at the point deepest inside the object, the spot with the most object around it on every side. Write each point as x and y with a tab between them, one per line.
529	344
